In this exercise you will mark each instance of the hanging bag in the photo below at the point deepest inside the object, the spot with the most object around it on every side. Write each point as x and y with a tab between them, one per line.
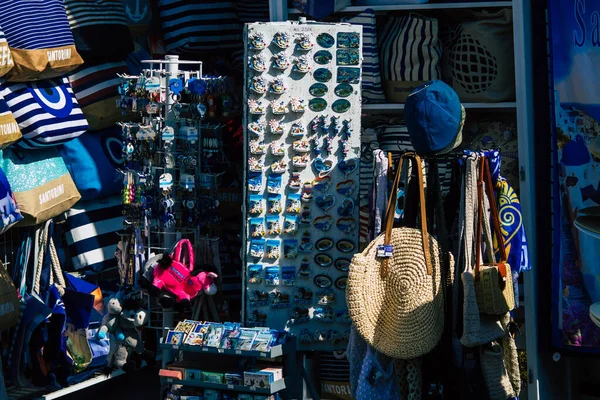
39	37
6	61
10	309
397	303
9	129
99	29
409	55
493	281
47	112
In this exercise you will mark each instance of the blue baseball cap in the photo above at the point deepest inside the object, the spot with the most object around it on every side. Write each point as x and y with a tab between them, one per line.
434	118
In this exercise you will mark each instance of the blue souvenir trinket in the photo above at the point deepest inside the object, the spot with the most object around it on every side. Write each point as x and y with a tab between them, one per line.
346	224
301	64
322	184
347	57
257	63
305	42
288	275
322	167
325	40
258	85
345	188
346	208
348	40
304	271
255	273
325	202
290	248
324	314
340	106
318	90
282	40
348	75
342	264
341	282
281	61
348	166
323	223
323	57
257	41
303	296
324	244
317	105
305	243
277	86
323	260
345	246
322	75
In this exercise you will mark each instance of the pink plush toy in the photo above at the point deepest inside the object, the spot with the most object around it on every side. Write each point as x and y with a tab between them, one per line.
175	273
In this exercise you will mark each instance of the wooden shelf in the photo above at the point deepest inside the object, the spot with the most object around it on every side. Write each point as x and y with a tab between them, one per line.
399	107
275	387
422	6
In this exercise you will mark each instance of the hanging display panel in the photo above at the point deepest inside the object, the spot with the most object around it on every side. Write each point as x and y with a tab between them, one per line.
575	57
302	135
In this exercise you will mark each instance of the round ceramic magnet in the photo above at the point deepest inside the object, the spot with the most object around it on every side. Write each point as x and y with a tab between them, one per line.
341	282
322	57
322	75
343	90
317	104
345	246
323	260
342	264
341	106
324	244
323	281
318	90
325	40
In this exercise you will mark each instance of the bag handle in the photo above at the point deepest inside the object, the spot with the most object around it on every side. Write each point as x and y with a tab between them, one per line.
392	207
484	174
179	256
45	242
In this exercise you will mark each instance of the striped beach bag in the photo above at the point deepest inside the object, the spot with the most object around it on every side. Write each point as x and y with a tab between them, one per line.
9	129
6	61
191	26
99	29
96	90
91	235
39	37
47	111
409	55
372	92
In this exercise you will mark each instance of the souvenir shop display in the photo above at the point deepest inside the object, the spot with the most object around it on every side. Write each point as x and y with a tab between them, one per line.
301	196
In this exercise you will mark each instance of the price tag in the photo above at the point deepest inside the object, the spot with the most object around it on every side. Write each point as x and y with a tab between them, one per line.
238	352
252	388
385	250
229	386
175	347
263	354
220	351
205	349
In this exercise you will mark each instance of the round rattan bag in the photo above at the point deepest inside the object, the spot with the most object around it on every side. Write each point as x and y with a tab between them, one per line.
397	303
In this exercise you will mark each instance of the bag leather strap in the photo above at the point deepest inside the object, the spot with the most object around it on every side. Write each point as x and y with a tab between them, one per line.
484	174
391	207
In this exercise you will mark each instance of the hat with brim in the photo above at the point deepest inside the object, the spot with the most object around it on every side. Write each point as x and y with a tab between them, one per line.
434	118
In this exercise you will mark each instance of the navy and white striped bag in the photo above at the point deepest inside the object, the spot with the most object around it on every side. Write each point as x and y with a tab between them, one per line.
6	61
39	37
409	55
99	29
47	111
96	89
92	228
372	92
191	26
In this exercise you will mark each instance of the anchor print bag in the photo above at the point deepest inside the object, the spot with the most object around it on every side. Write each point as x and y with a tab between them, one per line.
99	29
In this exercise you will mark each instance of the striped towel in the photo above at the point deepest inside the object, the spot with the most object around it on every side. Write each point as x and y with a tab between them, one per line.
372	91
47	111
200	25
99	29
92	233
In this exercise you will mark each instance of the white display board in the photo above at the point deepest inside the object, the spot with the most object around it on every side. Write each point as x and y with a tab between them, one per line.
278	290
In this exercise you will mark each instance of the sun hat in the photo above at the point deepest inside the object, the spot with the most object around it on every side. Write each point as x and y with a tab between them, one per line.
434	117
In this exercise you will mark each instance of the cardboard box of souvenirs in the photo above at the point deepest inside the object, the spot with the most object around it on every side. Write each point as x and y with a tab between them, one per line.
212	377
262	378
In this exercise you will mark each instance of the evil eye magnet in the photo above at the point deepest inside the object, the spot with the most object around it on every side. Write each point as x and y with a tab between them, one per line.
305	42
255	205
272	277
257	63
346	224
276	127
298	105
325	40
322	57
257	248
255	273
345	188
273	225
323	223
342	264
256	41
318	90
322	184
346	209
259	85
347	57
345	246
323	281
304	271
277	86
293	203
317	105
325	202
322	167
347	167
256	107
257	227
323	260
279	107
324	244
343	90
274	204
272	249
290	248
281	61
305	243
341	282
282	40
322	75
348	40
301	64
288	275
290	225
340	106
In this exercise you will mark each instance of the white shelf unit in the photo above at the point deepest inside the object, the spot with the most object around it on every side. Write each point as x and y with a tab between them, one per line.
523	107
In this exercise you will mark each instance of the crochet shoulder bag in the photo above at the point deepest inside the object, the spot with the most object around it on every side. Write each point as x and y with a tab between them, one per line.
493	281
396	302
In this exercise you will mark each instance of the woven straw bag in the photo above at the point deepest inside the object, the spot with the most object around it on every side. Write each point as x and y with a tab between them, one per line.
397	303
493	282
